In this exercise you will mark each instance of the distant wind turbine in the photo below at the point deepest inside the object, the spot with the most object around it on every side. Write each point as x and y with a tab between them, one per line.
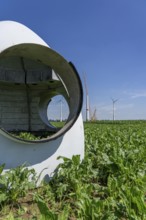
61	103
87	100
114	101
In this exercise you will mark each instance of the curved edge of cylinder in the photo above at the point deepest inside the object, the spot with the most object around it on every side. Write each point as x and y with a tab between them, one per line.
66	70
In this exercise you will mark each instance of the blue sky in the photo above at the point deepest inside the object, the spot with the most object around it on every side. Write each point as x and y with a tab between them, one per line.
106	39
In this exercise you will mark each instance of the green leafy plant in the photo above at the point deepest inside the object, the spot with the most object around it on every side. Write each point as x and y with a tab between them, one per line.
15	183
108	184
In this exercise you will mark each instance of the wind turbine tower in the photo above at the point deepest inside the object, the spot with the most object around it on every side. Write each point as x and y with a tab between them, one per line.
114	101
61	118
87	101
60	102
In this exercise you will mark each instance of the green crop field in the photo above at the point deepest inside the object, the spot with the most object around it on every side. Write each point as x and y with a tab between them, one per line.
109	184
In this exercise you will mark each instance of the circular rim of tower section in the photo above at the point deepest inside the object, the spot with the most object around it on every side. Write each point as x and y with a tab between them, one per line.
64	69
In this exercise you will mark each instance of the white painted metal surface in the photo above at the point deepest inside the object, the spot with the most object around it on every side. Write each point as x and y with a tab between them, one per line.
13	33
40	156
